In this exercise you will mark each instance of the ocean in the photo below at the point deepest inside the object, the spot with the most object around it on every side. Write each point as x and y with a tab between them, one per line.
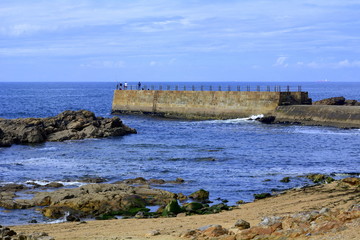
232	159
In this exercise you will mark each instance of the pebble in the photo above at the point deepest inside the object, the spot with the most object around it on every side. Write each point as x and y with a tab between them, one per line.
152	233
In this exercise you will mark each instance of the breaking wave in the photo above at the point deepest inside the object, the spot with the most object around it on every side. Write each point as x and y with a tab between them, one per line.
237	120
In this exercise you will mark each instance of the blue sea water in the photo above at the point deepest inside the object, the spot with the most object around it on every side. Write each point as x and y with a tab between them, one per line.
233	159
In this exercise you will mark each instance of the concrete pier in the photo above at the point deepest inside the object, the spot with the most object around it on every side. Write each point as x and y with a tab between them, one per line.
285	107
203	104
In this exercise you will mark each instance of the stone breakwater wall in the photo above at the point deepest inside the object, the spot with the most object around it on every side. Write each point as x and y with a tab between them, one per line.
203	104
323	115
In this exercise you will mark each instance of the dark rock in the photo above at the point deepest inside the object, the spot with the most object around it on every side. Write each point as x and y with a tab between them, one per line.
320	178
172	209
139	180
352	181
152	181
5	141
57	211
179	180
240	202
9	232
285	180
218	207
133	201
12	187
72	218
69	125
34	184
331	101
139	215
193	206
267	119
242	224
206	159
181	197
262	195
33	221
54	185
156	181
92	180
200	195
352	103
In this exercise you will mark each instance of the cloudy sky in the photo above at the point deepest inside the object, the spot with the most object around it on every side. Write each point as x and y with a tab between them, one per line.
179	40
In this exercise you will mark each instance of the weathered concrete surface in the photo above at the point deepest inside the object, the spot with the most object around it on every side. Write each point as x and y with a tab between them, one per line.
322	115
203	104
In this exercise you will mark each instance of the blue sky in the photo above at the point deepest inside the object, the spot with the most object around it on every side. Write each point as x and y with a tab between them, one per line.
173	40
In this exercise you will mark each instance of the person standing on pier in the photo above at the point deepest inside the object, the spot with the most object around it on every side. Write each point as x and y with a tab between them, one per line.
125	85
139	85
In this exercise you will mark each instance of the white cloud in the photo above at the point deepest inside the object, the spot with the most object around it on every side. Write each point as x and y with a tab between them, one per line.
333	65
347	63
20	29
104	64
153	63
162	63
280	62
208	31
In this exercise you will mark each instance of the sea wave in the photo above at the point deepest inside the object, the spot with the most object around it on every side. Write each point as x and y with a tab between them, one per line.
60	220
45	182
237	120
325	131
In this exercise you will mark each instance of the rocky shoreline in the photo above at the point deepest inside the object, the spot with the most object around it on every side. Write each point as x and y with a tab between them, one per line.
68	125
102	201
128	198
313	212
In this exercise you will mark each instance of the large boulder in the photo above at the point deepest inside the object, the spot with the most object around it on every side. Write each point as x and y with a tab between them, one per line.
200	195
331	101
352	103
172	208
68	125
320	178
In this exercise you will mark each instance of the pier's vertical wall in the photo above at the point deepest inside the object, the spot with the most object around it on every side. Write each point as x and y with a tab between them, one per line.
203	104
324	115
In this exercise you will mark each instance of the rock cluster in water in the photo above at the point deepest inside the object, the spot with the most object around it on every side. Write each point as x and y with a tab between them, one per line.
105	201
68	125
337	101
88	200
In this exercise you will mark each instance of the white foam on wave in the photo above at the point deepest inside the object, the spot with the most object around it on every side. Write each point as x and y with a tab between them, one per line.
325	131
44	182
347	174
60	220
237	120
48	149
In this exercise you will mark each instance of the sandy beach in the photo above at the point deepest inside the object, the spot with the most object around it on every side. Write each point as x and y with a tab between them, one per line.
337	196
